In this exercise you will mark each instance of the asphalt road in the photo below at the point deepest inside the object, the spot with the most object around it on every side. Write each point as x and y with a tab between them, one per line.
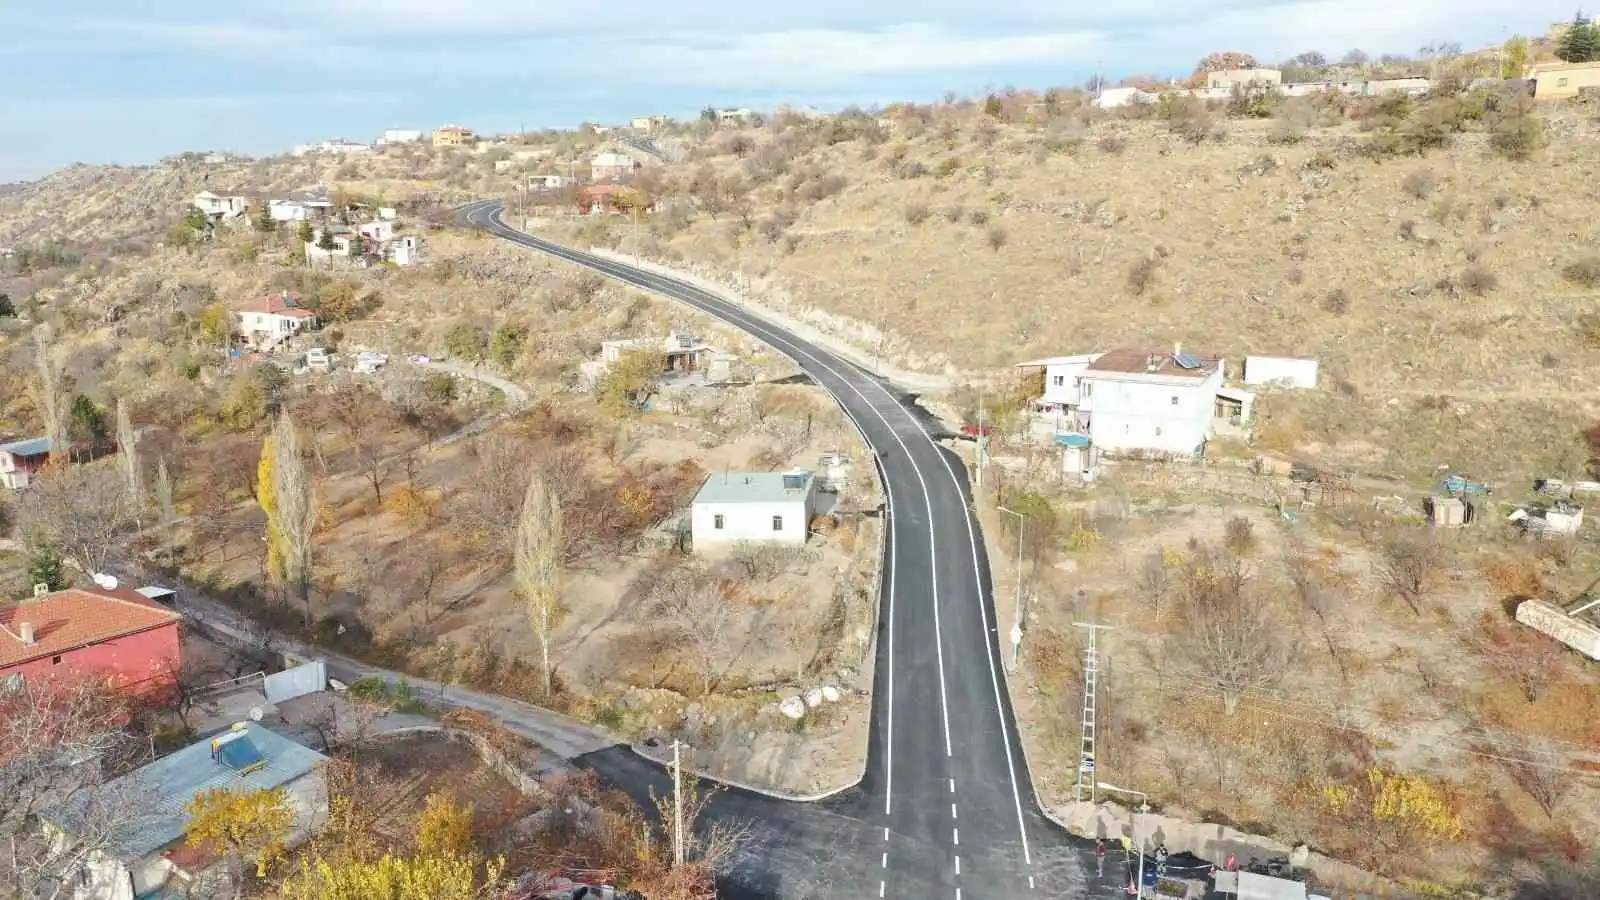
946	808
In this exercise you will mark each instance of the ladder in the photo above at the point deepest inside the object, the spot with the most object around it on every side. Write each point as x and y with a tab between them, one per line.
1085	789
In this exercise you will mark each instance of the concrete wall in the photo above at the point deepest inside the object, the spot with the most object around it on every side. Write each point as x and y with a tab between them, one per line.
1566	81
751	522
1292	372
1553	621
1160	418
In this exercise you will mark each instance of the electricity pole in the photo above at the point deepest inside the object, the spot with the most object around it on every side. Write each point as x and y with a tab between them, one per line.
677	805
1091	672
1016	626
981	447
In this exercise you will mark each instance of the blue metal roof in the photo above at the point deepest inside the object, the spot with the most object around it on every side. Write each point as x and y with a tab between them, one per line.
755	487
1073	440
29	447
152	798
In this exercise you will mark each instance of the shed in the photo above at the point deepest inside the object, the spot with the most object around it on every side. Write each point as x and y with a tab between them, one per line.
734	507
1280	371
1251	886
1447	512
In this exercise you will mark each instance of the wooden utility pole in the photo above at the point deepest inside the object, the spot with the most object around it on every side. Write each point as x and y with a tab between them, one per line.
677	804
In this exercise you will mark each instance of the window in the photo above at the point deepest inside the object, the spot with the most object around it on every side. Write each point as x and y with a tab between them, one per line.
1088	388
777	523
1174	399
1061	381
717	521
55	660
1561	82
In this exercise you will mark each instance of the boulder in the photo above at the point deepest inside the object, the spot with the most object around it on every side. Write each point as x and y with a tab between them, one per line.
813	698
831	693
793	707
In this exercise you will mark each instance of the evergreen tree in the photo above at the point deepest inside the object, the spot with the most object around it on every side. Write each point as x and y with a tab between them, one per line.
265	223
7	310
86	424
195	219
325	240
306	233
45	566
1581	43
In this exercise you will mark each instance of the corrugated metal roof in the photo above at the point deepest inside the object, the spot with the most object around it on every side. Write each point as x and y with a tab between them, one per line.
159	791
754	487
29	447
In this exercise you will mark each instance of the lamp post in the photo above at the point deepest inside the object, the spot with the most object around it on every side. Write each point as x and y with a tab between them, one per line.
1144	807
1016	624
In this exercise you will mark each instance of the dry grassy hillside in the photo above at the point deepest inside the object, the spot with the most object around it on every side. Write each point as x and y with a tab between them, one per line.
1444	286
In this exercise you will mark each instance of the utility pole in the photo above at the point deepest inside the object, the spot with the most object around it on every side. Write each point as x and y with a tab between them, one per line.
1016	626
1138	819
981	436
635	205
677	805
1091	672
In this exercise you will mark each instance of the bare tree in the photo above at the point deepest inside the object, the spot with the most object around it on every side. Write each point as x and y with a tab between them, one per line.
1406	564
1230	637
296	506
539	551
364	417
695	606
1315	596
1155	580
83	509
164	505
47	366
128	459
1543	775
490	505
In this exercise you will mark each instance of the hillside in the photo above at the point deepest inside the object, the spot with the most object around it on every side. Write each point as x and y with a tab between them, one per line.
1423	268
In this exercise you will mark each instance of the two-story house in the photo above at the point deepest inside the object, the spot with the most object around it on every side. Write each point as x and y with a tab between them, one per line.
610	167
1061	394
1150	401
19	461
109	633
221	206
269	320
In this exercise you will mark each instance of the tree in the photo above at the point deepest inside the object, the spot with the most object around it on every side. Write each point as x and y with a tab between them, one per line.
1406	564
1545	775
264	221
294	499
128	458
86	424
393	877
468	342
180	236
507	344
1225	60
195	219
83	510
628	381
45	565
1514	57
364	417
539	551
241	826
1398	812
696	608
7	310
1231	636
267	499
325	240
444	828
164	505
215	325
1580	43
47	368
305	232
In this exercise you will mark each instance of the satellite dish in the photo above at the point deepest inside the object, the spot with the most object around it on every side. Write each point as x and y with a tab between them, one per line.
109	582
255	714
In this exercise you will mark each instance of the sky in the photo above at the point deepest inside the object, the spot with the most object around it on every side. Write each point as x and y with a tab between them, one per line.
130	81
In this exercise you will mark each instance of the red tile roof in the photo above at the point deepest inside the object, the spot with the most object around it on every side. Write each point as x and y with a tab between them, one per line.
1135	361
273	304
67	620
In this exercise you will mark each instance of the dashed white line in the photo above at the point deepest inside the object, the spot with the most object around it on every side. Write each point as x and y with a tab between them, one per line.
952	811
957	833
958	865
886	859
886	833
952	785
1030	882
958	893
880	889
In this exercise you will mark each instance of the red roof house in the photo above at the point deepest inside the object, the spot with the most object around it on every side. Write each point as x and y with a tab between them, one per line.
115	634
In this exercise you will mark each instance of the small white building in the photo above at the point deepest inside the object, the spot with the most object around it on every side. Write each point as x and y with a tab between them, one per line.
289	211
221	206
402	250
1280	371
399	136
546	182
1164	402
1252	79
380	230
733	507
1111	98
138	820
1062	393
648	124
274	318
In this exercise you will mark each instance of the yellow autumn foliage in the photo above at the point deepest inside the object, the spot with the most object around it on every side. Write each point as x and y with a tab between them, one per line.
244	825
444	828
392	878
1409	803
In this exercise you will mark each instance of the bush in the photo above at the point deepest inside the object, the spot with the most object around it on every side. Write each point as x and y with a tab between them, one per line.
953	214
978	217
1336	301
947	167
1517	137
440	388
1420	183
1477	281
996	237
1239	535
1141	275
1585	271
917	213
1112	144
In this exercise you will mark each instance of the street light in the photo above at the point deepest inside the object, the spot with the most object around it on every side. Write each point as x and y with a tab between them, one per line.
1016	626
1144	807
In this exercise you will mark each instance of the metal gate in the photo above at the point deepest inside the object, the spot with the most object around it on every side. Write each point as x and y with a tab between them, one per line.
297	682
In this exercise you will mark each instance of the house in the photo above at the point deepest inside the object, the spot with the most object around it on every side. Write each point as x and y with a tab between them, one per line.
399	136
19	460
1282	371
452	136
269	320
546	182
402	250
289	211
648	124
340	145
1415	87
611	167
1245	79
102	632
1164	402
1561	81
137	820
1061	394
732	507
598	199
381	230
221	206
739	114
1111	98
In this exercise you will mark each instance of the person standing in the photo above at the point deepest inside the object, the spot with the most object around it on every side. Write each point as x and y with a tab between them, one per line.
1100	857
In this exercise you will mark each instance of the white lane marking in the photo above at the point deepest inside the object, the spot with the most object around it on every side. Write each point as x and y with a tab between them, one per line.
886	833
952	785
952	811
958	893
1030	882
958	865
676	289
888	741
885	860
880	889
957	834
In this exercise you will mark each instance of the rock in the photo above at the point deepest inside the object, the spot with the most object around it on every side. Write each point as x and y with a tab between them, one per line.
813	698
793	707
831	693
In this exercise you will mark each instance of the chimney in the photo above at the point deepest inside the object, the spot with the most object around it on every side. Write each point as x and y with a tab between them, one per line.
25	631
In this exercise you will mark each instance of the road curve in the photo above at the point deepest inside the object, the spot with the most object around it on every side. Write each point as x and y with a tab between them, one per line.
945	808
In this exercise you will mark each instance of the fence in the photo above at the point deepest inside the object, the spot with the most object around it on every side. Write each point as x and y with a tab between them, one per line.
308	678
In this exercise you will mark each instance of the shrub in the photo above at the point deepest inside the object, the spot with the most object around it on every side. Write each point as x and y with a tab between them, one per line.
1585	271
947	166
1112	144
1336	301
1477	281
1239	535
978	217
996	237
1141	275
440	388
917	213
953	214
1420	183
1517	137
1589	329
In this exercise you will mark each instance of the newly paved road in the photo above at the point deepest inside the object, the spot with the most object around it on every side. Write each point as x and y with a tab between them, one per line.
946	808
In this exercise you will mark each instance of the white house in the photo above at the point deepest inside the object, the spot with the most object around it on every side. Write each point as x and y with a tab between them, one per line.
402	250
289	211
1062	394
380	230
1111	98
274	318
138	820
399	136
221	206
546	182
1156	401
753	506
611	166
1284	371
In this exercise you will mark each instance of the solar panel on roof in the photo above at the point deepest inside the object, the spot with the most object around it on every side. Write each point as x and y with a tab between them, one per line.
241	756
1186	360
